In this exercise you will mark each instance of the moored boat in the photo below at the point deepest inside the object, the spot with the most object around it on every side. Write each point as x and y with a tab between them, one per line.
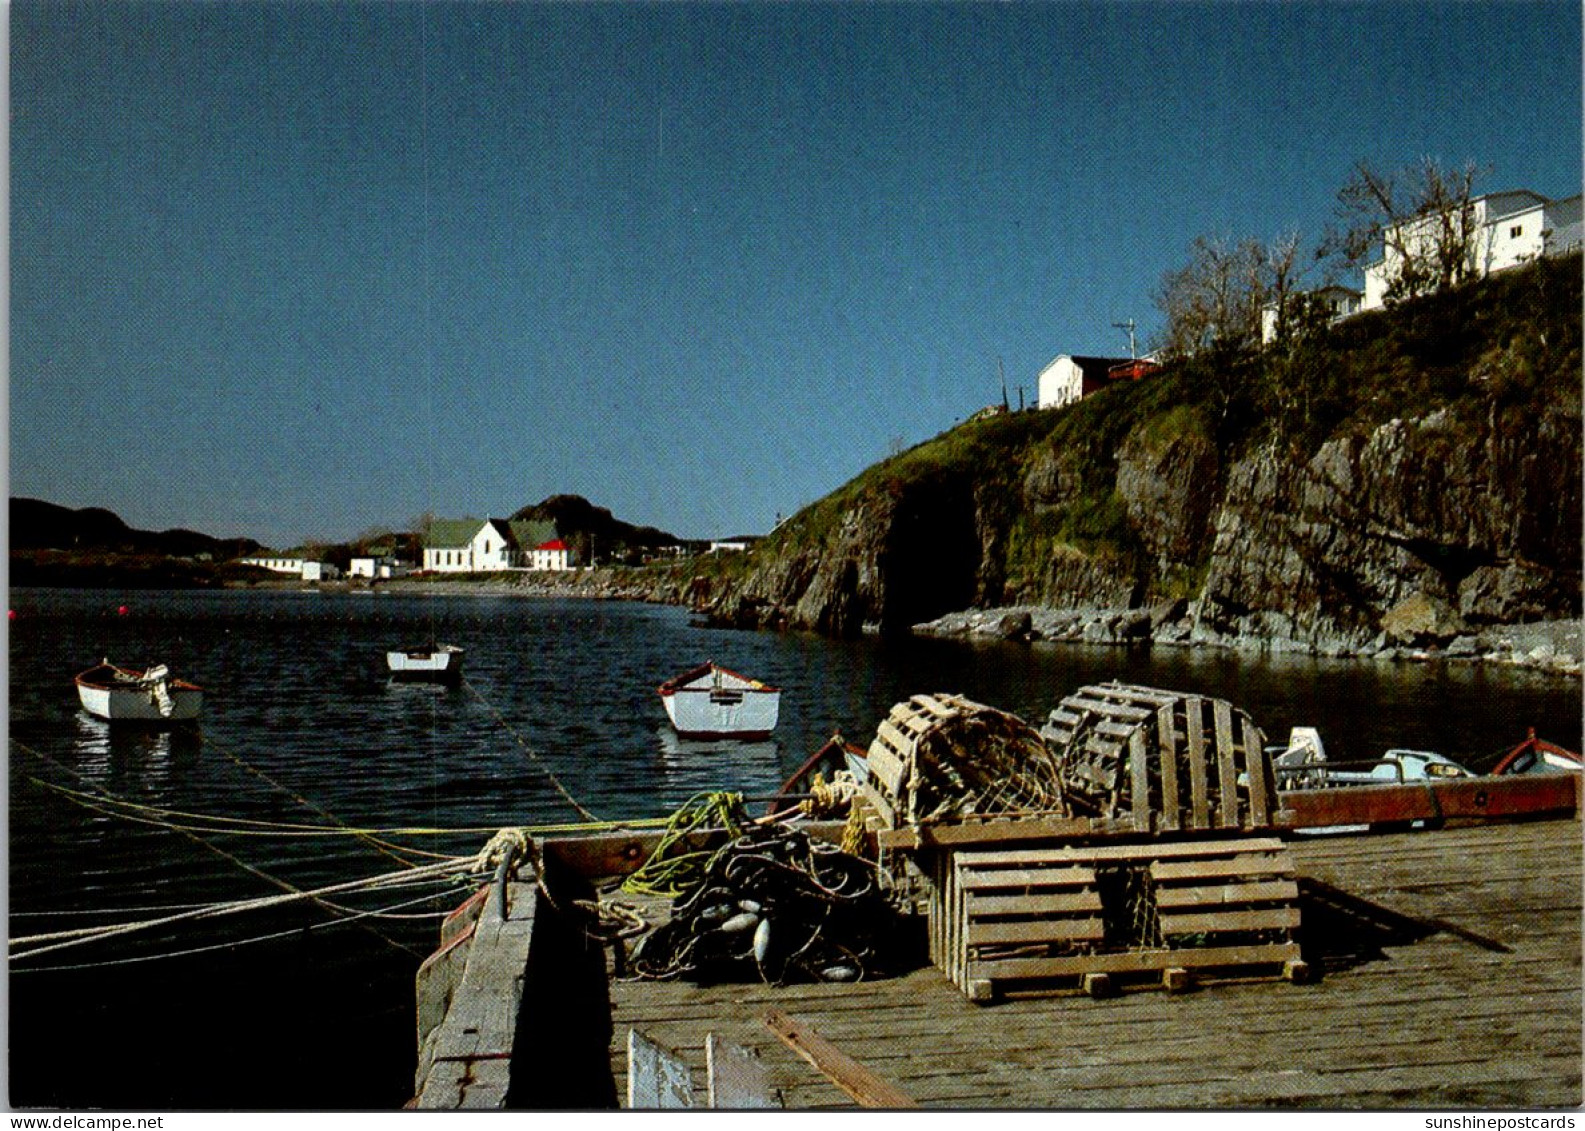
431	663
1538	756
153	695
710	701
1303	764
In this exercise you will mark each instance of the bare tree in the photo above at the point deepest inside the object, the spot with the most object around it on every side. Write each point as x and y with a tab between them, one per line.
1213	305
1420	220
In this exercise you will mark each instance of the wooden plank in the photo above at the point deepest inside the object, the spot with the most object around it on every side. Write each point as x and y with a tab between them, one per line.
889	769
481	1023
1255	770
1481	798
734	1077
1166	871
986	878
1079	702
1226	775
1261	891
1167	751
1139	775
1035	931
898	743
880	803
657	1078
1212	922
1078	854
864	1086
937	707
1200	816
1151	697
1045	904
999	831
1137	961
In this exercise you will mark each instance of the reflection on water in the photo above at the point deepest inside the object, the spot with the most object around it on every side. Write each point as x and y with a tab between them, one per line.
690	766
123	757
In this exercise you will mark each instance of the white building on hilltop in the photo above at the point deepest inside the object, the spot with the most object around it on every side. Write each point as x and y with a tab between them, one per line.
1507	229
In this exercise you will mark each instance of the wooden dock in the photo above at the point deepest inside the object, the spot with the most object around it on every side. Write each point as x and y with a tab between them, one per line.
1448	971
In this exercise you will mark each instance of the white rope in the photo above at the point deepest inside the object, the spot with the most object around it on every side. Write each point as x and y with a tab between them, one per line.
59	940
382	913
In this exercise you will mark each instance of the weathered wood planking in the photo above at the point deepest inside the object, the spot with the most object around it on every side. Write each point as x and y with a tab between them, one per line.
657	1078
1050	899
470	1051
1167	761
735	1078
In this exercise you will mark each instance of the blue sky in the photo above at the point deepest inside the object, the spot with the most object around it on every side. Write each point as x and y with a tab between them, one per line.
293	270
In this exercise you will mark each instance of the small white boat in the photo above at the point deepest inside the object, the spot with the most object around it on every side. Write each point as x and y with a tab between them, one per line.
433	663
713	702
124	695
1303	764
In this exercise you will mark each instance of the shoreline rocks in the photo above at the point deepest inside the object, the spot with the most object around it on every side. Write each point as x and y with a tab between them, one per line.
1551	646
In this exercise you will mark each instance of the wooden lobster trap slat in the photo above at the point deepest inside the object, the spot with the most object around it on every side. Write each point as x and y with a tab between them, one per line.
944	757
1047	920
1164	760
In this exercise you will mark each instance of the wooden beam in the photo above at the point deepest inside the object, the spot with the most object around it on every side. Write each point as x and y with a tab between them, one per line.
1451	799
864	1086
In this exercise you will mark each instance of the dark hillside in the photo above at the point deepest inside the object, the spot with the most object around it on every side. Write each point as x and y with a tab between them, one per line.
594	531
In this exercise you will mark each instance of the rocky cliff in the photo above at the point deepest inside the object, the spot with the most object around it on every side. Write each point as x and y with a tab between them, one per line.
1407	477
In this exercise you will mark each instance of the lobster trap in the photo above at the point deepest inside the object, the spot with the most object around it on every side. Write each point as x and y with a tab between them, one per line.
1117	844
1043	920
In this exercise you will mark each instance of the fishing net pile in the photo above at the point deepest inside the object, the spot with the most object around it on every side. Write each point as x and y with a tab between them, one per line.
777	906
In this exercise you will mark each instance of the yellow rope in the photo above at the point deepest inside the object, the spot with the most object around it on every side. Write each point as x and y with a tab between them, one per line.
671	867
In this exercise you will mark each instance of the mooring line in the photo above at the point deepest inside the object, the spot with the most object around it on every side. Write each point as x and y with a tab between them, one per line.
533	757
275	881
379	913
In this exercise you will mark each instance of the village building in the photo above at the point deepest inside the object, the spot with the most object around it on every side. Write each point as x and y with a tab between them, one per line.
492	545
552	555
293	565
1509	229
381	565
1071	378
1336	300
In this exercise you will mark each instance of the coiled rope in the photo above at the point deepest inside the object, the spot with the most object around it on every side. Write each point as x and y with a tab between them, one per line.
675	865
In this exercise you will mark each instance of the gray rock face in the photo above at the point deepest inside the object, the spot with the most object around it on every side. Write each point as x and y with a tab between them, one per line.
1455	513
1411	534
1170	487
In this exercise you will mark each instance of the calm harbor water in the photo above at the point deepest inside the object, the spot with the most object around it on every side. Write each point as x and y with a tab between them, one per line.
281	1009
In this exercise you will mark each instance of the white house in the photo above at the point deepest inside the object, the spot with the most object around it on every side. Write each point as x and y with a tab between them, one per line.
468	546
1508	228
381	566
1069	378
294	565
553	555
278	563
1338	301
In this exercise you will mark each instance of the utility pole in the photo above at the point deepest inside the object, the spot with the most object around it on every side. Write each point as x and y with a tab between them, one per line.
1133	354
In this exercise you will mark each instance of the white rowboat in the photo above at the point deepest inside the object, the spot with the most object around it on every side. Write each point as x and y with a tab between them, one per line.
435	663
712	702
151	696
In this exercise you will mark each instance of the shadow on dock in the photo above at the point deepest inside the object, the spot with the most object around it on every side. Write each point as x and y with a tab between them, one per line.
560	1059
